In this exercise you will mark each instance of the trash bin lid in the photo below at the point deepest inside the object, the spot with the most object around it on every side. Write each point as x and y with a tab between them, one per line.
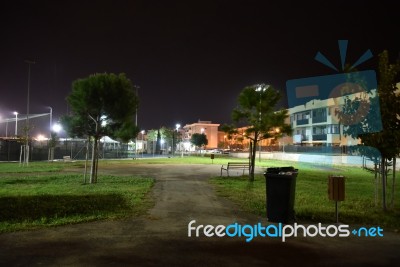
281	169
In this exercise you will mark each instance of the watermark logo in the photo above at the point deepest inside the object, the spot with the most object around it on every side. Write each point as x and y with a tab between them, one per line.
280	231
323	108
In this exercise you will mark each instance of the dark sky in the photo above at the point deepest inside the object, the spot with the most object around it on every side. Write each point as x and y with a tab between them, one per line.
189	58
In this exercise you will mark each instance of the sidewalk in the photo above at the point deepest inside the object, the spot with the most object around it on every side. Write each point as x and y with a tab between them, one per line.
160	238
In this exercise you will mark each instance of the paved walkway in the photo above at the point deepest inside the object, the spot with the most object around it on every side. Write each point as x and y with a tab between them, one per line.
160	238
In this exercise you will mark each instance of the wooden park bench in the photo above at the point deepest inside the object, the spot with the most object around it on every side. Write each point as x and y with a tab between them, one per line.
235	165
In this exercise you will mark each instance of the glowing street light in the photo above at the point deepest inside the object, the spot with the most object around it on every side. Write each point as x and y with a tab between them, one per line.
16	122
57	128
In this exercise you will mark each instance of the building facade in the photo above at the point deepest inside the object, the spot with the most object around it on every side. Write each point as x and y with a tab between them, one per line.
203	127
317	123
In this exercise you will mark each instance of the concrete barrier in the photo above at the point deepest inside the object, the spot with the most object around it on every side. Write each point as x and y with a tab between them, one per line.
310	158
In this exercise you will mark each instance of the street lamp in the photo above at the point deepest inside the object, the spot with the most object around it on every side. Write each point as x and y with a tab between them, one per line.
261	88
29	62
57	128
16	122
51	121
177	126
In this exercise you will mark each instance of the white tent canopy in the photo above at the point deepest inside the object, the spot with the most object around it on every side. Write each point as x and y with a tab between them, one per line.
108	140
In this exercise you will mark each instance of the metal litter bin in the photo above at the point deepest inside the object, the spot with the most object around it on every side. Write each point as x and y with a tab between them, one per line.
280	189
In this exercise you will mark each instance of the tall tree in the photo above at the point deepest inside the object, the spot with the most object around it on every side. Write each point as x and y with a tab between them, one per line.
257	109
161	135
199	140
102	105
386	141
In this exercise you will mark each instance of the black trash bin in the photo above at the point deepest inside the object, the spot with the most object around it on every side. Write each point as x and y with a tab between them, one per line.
280	188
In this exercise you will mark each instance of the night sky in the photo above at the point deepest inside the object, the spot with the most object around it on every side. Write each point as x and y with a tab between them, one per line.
190	59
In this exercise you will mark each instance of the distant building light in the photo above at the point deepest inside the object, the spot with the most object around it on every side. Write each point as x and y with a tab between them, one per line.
40	137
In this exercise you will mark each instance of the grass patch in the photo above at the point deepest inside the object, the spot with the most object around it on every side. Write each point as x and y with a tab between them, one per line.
15	167
221	159
31	201
311	200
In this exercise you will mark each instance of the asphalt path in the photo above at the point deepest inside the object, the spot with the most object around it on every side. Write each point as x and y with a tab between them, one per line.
160	238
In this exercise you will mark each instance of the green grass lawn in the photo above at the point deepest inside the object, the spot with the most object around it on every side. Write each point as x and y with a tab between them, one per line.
219	159
14	167
35	200
40	195
311	197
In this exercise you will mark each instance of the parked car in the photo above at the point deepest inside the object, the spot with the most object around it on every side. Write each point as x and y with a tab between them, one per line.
226	151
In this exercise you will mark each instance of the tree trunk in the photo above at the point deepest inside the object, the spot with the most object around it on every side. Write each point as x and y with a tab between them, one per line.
376	183
27	154
86	159
383	170
97	159
253	148
93	167
393	182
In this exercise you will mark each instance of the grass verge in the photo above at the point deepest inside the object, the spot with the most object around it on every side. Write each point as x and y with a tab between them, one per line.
42	166
311	199
32	201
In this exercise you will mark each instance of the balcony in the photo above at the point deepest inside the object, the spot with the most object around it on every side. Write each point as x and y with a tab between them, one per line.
319	137
302	122
318	119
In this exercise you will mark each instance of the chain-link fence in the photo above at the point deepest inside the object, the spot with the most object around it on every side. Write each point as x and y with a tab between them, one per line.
10	150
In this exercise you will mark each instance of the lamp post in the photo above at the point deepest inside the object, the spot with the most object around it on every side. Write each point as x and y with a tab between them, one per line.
29	62
7	128
51	121
6	125
16	122
261	89
172	147
142	132
50	142
177	126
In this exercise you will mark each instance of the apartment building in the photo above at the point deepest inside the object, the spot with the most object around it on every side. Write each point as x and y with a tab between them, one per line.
203	127
317	123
